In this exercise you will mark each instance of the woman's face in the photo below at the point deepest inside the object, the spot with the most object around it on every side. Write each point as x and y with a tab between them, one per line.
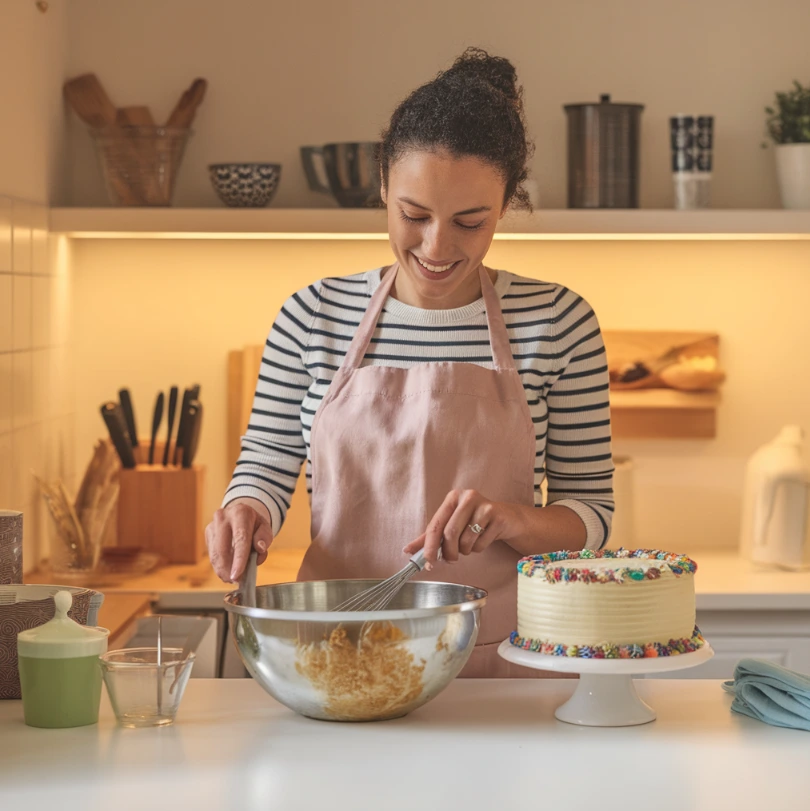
442	213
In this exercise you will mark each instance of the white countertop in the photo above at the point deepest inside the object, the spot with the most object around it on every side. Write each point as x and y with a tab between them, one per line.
728	582
724	582
480	745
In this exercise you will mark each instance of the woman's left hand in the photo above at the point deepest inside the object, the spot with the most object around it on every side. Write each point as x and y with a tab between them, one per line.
467	522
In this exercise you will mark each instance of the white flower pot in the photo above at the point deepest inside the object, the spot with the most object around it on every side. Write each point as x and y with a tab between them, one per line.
793	171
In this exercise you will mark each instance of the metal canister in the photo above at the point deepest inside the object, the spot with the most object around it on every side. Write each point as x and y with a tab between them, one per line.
603	154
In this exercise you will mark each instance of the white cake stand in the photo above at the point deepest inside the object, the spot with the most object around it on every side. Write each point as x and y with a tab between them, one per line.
605	695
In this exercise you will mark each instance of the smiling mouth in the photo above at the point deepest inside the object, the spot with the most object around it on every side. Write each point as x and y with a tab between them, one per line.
435	268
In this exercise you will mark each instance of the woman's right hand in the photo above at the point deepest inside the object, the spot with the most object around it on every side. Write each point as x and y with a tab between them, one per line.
232	533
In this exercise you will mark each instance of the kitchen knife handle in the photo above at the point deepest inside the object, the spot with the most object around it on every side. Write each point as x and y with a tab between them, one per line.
114	419
172	410
156	420
182	426
193	432
129	416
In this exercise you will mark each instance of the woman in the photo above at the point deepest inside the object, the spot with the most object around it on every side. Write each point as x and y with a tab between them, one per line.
431	398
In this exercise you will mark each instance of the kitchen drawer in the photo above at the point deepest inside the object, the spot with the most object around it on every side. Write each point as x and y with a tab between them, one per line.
786	651
781	637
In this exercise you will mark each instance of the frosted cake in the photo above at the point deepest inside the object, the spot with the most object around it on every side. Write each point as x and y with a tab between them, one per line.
622	604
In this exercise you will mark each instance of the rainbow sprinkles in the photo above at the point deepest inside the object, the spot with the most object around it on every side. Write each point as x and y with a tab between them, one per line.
677	564
608	651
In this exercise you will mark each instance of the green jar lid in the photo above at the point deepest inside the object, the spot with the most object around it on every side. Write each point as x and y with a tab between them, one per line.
62	637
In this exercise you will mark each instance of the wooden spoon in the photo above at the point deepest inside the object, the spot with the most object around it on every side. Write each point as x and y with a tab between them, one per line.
90	101
186	108
138	116
92	104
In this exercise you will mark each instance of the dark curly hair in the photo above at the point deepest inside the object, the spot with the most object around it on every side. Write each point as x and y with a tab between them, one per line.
473	109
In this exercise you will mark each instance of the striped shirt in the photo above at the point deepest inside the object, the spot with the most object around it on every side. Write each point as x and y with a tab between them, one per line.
557	347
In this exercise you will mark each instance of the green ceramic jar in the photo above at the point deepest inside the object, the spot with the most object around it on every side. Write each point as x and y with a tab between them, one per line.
60	674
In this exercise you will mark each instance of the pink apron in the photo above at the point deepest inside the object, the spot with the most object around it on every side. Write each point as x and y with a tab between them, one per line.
388	445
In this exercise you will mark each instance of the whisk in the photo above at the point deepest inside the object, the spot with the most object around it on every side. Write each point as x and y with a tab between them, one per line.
379	596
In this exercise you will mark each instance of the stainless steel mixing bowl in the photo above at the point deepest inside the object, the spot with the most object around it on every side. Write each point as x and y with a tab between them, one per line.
355	666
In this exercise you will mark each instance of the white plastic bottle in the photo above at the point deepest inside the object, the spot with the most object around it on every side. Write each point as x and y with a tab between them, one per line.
776	503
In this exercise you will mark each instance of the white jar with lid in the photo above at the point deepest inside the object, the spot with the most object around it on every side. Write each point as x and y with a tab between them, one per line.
60	675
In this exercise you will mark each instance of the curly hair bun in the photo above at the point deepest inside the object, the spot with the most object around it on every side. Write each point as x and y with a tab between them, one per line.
474	108
495	70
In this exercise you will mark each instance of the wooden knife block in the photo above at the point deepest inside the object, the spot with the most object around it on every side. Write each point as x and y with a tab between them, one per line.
160	509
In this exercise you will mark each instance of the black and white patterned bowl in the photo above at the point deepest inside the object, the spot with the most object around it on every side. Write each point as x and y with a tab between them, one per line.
245	185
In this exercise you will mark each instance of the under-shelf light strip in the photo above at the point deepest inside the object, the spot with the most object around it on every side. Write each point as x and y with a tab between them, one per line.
500	237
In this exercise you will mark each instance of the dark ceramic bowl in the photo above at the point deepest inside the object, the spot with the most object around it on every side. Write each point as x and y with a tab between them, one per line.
245	185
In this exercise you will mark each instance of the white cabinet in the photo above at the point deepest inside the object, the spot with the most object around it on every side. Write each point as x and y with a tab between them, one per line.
782	637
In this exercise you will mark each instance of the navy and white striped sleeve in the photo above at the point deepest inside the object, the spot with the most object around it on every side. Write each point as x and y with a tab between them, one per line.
273	447
579	463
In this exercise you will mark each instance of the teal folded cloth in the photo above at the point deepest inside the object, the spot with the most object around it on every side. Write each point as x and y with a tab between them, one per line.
770	693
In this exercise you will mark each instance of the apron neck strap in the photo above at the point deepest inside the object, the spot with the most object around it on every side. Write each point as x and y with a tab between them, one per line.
362	338
498	335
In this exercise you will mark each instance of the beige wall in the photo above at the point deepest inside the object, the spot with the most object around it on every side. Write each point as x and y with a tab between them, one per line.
153	313
33	54
286	74
36	408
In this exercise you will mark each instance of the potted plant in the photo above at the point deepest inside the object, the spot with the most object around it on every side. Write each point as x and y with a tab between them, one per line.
788	125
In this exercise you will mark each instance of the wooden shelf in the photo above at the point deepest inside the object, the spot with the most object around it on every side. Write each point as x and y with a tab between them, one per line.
663	414
343	223
647	399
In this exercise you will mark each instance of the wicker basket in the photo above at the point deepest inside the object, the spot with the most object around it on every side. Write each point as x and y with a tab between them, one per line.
24	607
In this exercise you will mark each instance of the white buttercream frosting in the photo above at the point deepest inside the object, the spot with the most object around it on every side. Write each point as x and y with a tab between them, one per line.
619	613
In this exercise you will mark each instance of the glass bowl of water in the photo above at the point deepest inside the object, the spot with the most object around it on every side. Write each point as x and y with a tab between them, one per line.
145	688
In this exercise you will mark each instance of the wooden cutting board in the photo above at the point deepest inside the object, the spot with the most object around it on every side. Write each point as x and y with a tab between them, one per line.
243	373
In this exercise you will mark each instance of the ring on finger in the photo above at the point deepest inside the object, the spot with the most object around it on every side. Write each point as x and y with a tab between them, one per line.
476	528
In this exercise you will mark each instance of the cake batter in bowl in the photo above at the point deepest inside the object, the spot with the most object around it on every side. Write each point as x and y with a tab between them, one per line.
355	666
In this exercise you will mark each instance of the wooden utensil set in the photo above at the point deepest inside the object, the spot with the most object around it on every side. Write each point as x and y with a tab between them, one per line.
81	525
92	104
139	157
